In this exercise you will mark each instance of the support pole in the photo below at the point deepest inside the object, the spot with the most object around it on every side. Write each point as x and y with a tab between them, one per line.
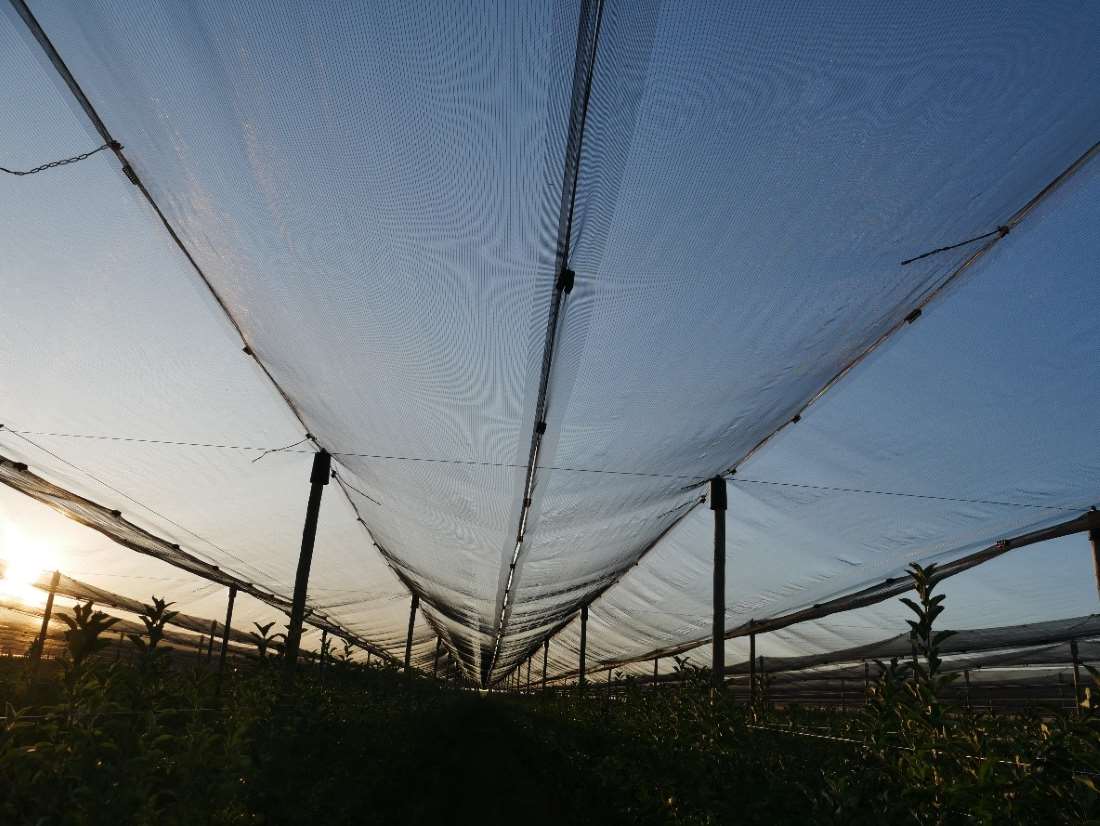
752	668
718	636
866	681
582	680
528	675
318	478
435	662
1094	538
409	636
966	680
1076	678
40	643
760	670
210	642
545	656
654	669
225	634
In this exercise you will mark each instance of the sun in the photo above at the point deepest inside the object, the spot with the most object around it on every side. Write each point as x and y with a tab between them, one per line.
23	561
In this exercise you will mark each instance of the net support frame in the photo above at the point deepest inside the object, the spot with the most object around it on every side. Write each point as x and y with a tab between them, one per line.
718	648
40	643
318	479
225	633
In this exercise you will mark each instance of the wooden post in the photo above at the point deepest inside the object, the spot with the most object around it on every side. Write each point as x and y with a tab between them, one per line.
210	642
225	634
752	668
581	680
40	644
1076	678
435	662
409	636
545	656
318	478
718	635
654	669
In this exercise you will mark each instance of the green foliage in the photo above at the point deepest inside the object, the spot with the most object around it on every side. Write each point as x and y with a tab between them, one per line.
85	625
111	744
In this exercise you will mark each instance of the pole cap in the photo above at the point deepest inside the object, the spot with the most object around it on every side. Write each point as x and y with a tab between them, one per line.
717	494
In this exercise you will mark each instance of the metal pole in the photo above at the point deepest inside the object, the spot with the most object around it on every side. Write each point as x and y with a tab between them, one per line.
40	643
966	680
581	680
760	669
718	637
225	633
528	675
409	636
752	668
210	642
318	478
1076	678
654	669
1094	538
545	656
435	662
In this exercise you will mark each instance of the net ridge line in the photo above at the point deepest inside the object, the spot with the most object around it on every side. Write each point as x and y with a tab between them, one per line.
870	595
77	91
62	162
558	468
589	20
113	525
953	277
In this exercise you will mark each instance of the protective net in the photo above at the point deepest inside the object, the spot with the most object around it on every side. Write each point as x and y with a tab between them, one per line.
350	227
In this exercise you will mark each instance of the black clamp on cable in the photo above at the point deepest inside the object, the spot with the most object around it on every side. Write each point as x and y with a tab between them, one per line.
565	280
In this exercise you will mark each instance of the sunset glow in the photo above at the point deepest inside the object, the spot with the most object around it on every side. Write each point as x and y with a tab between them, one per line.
23	561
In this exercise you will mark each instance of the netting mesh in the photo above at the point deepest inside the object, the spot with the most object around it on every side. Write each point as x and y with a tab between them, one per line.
373	198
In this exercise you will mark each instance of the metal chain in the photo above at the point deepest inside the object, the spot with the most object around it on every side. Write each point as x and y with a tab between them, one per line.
62	162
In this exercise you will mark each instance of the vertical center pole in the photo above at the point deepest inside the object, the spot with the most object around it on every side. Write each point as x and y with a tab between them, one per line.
581	680
966	679
409	636
655	669
528	675
718	638
435	662
225	634
40	643
210	642
752	668
545	656
318	478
